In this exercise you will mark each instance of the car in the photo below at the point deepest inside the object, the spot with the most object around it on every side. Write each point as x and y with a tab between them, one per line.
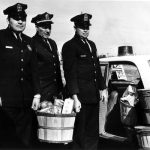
119	73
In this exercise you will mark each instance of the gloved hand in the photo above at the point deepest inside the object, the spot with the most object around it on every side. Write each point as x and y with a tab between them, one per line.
36	102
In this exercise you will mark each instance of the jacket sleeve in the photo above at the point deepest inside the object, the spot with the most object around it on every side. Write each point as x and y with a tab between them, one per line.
59	77
101	80
34	68
69	56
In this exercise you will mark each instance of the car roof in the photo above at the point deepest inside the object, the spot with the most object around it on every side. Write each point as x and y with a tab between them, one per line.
132	58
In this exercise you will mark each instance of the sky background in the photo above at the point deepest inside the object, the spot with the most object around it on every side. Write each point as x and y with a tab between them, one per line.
114	23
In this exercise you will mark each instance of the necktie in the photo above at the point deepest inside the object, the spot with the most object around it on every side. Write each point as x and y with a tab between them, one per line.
87	45
19	38
48	44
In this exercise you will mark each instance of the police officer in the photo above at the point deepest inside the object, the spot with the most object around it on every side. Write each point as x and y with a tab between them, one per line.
19	84
48	60
84	83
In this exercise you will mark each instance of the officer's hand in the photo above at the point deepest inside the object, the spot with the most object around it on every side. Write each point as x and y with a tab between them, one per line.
104	96
35	103
77	104
0	101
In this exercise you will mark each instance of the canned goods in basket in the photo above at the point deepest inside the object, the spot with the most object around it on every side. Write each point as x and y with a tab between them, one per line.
57	109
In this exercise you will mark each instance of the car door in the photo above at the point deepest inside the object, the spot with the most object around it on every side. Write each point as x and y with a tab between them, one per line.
118	76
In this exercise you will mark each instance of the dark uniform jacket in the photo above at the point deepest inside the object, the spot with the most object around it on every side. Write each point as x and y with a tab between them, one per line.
81	70
18	70
48	67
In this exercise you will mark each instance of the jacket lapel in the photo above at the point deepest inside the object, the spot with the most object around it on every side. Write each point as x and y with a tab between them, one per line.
81	44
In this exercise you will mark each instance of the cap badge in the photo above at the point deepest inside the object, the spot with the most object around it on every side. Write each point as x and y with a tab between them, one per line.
19	7
47	16
85	17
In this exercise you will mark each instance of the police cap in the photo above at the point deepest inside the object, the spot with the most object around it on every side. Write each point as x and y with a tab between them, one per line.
16	11
43	19
82	20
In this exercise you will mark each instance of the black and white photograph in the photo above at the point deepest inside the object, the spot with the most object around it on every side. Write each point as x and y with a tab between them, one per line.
74	75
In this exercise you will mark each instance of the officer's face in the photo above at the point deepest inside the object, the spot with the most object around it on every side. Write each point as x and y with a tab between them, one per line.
17	25
44	31
82	32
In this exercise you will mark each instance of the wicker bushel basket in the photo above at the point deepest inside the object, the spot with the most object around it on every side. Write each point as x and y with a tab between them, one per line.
55	128
143	136
144	97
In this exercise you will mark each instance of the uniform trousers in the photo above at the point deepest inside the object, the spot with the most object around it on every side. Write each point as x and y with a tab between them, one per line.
86	131
16	127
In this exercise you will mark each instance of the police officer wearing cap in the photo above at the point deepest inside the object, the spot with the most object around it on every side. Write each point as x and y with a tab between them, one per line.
84	83
48	60
19	83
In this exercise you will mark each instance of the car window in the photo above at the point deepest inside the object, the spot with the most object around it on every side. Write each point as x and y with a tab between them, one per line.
126	72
